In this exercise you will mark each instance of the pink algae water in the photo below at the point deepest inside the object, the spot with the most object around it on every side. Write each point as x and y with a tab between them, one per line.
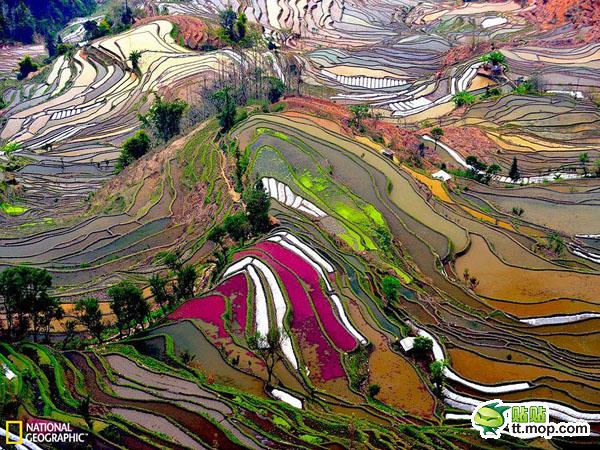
208	309
236	289
335	330
303	324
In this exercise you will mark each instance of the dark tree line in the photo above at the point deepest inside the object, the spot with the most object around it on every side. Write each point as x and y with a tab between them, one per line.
21	19
26	303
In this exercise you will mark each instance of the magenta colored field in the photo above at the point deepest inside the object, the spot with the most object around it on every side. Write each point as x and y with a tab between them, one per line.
303	325
236	289
334	329
208	309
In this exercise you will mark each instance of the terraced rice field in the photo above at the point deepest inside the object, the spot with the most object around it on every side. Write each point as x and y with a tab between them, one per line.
500	274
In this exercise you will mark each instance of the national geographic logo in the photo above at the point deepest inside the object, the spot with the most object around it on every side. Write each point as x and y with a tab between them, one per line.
39	431
14	432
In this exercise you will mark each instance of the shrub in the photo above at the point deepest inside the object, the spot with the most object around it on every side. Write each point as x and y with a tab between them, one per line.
495	57
422	345
391	288
26	66
166	117
133	148
474	162
463	98
276	89
489	93
374	389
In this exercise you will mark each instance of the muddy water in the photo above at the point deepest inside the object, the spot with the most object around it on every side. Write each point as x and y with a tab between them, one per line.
400	384
473	366
500	281
186	337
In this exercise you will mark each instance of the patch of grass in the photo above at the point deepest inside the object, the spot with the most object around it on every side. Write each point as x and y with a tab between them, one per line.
311	439
11	209
281	422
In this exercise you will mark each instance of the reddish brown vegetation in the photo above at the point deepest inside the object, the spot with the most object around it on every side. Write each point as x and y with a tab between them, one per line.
462	53
560	12
401	141
470	141
191	30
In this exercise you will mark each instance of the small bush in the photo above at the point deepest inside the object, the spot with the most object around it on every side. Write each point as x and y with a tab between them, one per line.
374	389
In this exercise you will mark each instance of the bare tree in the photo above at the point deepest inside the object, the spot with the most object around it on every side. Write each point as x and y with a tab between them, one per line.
268	348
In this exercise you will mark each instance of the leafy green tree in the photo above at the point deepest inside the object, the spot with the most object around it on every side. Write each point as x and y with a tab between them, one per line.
186	279
228	19
422	345
227	109
276	89
133	148
128	304
51	45
496	57
258	203
384	238
172	260
241	27
91	29
476	163
158	287
391	288
493	169
437	374
237	226
241	164
463	98
127	15
137	145
24	26
216	234
70	334
359	113
234	27
584	158
90	316
103	28
134	58
84	411
46	310
26	301
165	116
26	66
597	167
514	173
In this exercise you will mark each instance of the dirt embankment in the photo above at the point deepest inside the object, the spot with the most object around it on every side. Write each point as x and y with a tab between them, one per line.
402	141
462	53
551	13
470	141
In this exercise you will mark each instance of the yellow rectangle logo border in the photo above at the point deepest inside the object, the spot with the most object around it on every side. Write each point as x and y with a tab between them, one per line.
8	423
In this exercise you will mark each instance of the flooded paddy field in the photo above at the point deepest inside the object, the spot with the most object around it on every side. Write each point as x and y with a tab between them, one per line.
430	239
